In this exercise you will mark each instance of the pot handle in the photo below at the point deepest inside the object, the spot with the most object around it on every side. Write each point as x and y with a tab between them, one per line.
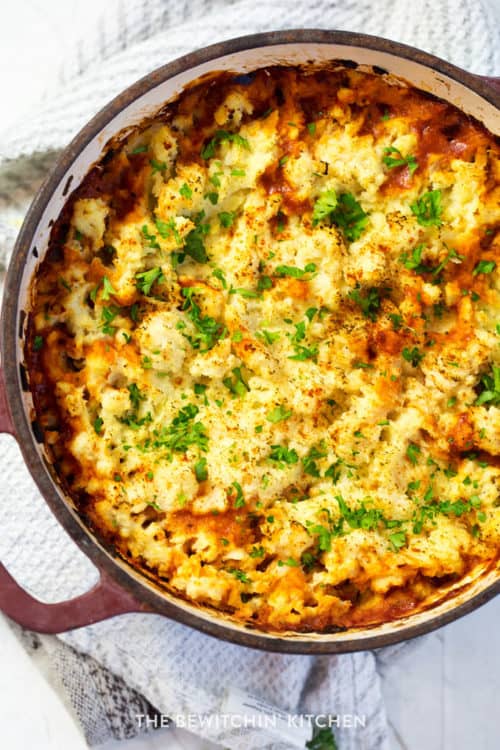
105	599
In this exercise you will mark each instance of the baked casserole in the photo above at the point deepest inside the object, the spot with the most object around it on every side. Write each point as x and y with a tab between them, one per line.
264	347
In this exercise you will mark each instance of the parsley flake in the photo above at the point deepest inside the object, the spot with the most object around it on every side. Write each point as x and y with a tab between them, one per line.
484	266
279	414
369	302
428	209
394	158
146	279
221	136
186	191
489	388
413	451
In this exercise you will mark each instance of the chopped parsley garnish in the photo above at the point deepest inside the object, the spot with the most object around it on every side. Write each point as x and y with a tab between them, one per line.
324	537
489	388
311	127
280	225
484	266
369	302
65	284
238	497
194	245
349	216
221	136
283	455
154	505
438	309
186	191
98	423
324	205
236	384
134	312
308	561
37	343
310	313
413	261
200	390
264	282
208	330
167	229
309	461
240	575
294	272
300	332
227	218
362	517
413	451
213	197
135	396
278	414
146	279
108	314
396	320
323	739
150	238
304	352
158	166
451	254
200	470
413	356
131	418
398	540
246	293
257	551
219	274
268	336
183	432
428	209
457	508
140	149
107	289
394	158
334	471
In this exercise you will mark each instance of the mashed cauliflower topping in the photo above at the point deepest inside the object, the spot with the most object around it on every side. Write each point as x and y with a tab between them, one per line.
264	347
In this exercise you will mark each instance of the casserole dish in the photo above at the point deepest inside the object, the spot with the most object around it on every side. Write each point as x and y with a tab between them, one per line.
121	588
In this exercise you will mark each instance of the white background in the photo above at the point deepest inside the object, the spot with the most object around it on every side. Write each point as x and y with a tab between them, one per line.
442	696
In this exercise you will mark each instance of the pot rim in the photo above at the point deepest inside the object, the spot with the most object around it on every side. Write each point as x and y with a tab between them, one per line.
131	581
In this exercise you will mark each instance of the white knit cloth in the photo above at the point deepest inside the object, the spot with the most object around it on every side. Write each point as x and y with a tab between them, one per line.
178	670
